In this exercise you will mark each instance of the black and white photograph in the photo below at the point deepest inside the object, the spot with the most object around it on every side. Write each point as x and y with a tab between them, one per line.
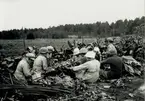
72	50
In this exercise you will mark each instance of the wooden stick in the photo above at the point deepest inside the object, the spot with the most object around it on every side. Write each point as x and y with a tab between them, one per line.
24	43
11	78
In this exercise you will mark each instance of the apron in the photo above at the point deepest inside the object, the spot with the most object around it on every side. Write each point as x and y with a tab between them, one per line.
36	76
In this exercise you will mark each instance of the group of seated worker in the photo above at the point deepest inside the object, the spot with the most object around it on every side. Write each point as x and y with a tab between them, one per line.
92	68
89	69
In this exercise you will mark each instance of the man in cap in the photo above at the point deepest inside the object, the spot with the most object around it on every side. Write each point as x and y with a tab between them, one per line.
35	50
81	59
30	49
91	68
76	52
97	50
90	47
50	51
50	55
81	55
23	69
110	46
114	65
40	64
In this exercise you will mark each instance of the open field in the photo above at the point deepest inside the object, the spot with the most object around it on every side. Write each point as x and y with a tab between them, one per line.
16	47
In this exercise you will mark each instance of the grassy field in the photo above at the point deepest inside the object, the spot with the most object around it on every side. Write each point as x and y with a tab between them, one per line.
16	47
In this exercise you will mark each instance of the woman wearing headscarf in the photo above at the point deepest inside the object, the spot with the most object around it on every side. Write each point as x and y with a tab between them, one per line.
23	70
40	64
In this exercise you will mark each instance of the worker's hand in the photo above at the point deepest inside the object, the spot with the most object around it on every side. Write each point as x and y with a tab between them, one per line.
71	68
52	69
32	72
29	80
43	72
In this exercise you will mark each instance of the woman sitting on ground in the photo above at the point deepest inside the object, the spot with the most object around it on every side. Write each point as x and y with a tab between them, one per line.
90	68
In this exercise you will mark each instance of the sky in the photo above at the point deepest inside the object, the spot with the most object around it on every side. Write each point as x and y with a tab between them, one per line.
17	14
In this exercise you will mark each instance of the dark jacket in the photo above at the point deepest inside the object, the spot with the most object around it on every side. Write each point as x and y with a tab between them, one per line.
116	65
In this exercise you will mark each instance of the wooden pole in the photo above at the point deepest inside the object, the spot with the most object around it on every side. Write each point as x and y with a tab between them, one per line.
24	43
11	79
82	39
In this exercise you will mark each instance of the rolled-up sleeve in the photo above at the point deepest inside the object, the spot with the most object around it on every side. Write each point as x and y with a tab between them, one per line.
80	67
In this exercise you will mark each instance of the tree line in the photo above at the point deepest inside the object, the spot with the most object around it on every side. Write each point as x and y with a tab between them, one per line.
98	29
